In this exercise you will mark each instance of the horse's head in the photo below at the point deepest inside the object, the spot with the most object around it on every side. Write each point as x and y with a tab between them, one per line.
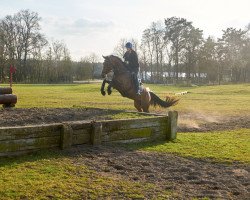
107	66
112	63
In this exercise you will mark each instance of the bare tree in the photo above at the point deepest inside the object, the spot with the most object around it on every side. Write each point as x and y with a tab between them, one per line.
92	59
120	48
147	43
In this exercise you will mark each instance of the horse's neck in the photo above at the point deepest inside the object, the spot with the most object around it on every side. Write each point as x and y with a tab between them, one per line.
119	67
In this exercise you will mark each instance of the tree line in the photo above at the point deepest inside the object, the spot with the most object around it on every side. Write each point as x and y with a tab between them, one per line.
177	52
171	52
36	59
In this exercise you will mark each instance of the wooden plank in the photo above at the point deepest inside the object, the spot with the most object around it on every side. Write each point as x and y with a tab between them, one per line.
79	125
81	139
29	144
26	132
127	134
113	125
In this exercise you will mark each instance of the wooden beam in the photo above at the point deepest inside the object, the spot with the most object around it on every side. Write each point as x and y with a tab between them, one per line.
96	133
172	125
66	136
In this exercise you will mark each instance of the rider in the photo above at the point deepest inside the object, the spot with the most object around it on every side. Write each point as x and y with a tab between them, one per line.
131	60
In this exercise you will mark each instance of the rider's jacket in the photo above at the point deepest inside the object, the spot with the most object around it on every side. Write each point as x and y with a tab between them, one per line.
131	60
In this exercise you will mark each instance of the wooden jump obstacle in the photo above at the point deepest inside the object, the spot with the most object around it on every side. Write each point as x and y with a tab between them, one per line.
25	139
7	99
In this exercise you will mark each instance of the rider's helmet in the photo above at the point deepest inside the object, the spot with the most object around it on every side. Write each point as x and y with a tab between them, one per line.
129	45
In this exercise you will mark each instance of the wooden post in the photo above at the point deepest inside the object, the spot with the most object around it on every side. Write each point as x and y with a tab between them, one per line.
66	136
172	125
96	133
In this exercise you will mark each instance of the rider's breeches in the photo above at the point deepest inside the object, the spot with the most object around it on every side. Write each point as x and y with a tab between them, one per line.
136	80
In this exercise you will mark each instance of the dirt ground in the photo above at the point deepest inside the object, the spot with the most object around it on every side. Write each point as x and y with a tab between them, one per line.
200	122
32	116
188	121
187	177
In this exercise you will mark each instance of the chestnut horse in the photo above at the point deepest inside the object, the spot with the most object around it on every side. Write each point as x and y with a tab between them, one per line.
123	82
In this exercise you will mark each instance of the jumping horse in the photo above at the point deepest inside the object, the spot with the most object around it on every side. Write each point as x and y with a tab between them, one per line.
123	82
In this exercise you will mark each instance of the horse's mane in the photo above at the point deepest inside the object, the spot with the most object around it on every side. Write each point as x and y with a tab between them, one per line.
117	58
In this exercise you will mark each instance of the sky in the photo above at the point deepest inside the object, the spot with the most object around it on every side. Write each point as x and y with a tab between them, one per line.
88	26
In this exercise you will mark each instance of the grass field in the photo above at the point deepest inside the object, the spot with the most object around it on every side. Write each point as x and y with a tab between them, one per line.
226	99
48	175
220	146
55	176
222	101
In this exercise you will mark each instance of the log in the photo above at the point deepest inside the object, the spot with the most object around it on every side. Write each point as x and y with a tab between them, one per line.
8	99
5	90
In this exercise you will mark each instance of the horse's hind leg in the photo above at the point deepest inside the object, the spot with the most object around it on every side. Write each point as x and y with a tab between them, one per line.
145	107
137	105
145	101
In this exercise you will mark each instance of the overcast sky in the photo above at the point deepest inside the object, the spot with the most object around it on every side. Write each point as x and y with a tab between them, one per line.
97	25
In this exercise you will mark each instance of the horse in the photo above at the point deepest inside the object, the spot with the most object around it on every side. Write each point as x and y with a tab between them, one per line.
123	82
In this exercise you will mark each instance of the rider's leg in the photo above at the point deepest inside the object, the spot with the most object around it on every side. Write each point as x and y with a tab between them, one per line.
137	84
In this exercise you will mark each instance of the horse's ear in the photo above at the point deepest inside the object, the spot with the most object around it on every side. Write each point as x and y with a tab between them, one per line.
105	57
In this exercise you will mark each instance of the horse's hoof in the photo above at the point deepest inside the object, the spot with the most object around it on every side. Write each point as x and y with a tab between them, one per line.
103	93
109	92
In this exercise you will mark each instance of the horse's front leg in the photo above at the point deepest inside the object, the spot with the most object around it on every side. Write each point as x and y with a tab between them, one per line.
103	87
110	88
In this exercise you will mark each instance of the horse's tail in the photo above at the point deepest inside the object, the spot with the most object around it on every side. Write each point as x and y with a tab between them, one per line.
170	101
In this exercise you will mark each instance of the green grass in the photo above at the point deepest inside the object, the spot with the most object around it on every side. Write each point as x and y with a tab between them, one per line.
49	175
223	146
226	99
54	175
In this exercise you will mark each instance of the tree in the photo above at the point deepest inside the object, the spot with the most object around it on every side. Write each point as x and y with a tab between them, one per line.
120	48
176	29
21	35
147	45
193	41
232	44
157	37
207	59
